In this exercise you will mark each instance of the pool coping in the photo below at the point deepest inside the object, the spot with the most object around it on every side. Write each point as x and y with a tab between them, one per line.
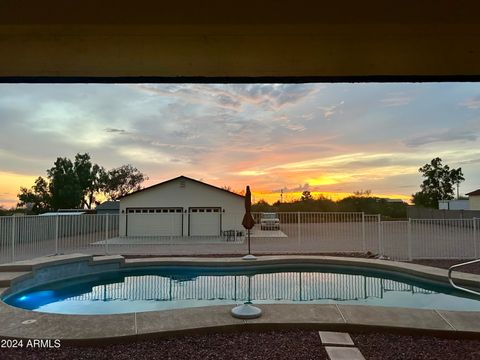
25	324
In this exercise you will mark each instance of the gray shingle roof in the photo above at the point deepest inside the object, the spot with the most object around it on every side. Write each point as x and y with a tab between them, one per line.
109	205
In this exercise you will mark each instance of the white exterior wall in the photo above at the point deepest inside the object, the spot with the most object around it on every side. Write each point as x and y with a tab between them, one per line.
453	204
193	194
443	204
474	202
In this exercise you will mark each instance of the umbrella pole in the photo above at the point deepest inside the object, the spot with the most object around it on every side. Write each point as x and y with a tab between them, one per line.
249	256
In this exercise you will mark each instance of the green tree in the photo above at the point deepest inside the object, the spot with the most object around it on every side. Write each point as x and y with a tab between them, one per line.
306	196
261	206
121	181
90	177
438	184
373	205
354	203
65	189
37	197
365	193
77	184
457	177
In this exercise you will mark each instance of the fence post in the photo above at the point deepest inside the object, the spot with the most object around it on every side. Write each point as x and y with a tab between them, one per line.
475	237
364	245
106	234
379	234
56	234
13	238
409	239
298	224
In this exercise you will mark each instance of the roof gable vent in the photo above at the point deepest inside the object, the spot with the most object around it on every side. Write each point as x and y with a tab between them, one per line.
182	183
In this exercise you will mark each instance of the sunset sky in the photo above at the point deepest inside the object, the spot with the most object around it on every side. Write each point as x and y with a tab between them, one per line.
329	138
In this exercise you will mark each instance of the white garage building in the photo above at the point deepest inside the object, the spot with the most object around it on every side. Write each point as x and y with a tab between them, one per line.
181	207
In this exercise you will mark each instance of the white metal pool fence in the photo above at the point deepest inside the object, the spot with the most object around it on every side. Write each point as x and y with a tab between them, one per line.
26	237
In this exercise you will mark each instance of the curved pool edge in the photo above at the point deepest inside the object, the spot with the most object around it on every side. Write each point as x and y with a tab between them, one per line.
20	323
14	272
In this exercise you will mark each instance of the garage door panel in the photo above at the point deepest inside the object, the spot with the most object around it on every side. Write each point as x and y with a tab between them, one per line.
205	221
161	222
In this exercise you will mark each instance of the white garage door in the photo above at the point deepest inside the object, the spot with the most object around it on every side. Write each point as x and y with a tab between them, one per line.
155	222
205	221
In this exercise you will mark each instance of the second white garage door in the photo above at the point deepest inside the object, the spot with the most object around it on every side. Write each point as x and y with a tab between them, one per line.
204	221
155	222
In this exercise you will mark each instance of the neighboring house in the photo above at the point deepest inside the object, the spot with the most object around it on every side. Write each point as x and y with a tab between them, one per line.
108	207
67	212
453	205
63	213
180	207
474	199
83	211
394	201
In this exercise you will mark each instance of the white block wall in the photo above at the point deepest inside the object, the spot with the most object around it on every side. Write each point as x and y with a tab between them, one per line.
186	193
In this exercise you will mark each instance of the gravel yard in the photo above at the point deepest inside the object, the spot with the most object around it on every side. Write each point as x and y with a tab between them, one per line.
277	345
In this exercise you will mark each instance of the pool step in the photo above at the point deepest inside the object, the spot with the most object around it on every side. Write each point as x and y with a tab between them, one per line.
6	278
29	265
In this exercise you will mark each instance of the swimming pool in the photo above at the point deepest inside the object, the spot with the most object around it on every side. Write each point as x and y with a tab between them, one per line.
153	288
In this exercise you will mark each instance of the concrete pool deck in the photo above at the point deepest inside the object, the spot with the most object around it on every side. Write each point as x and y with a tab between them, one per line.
188	240
20	323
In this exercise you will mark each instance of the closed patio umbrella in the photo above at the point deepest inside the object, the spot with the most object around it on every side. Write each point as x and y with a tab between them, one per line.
247	310
248	222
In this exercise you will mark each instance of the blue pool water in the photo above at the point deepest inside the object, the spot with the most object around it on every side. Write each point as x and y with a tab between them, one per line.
161	288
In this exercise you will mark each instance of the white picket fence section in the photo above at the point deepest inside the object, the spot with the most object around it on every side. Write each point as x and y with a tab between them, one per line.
26	237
